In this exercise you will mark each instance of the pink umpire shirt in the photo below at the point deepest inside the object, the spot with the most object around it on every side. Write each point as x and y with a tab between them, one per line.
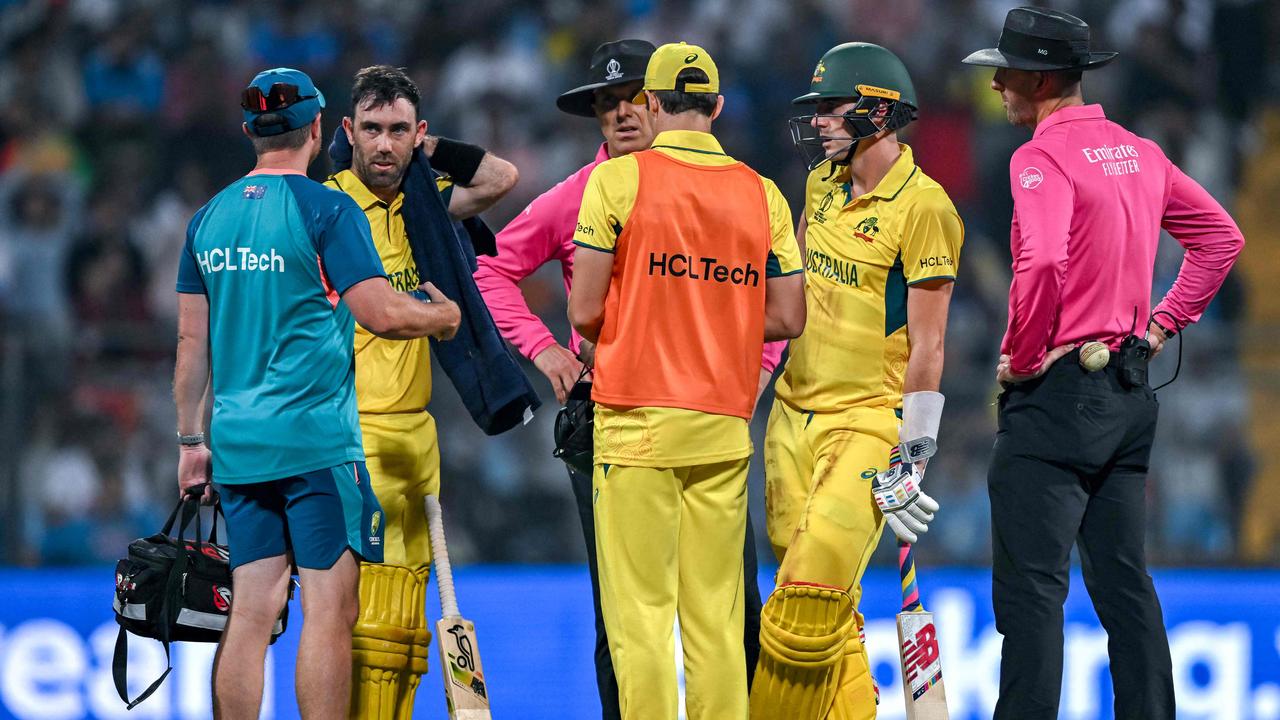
541	233
1089	200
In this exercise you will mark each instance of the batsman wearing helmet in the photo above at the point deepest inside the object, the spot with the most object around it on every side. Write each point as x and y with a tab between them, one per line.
393	381
881	242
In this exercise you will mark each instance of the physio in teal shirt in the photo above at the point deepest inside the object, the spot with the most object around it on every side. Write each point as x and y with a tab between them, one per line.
273	252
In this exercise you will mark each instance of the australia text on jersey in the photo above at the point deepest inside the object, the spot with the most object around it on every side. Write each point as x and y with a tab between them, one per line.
405	280
832	268
226	259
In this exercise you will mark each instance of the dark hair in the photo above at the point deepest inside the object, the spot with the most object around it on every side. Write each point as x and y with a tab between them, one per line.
379	85
291	140
1068	80
674	102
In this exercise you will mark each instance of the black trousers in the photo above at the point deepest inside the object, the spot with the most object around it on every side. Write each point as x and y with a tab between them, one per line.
606	681
1069	467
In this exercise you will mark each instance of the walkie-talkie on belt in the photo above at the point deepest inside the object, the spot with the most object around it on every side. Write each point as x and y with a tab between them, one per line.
1135	352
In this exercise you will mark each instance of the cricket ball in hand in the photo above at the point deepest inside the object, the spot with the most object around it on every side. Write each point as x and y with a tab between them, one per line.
1094	356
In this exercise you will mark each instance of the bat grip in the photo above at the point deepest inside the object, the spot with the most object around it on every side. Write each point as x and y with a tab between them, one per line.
440	558
907	573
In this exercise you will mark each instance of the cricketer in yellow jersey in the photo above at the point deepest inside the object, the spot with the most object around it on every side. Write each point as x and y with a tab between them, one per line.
881	243
393	382
669	240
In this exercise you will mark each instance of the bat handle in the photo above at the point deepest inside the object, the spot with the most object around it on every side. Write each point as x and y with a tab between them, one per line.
440	558
907	572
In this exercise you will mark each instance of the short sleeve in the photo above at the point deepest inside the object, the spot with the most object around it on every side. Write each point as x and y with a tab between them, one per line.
444	184
189	278
607	202
784	251
931	238
346	248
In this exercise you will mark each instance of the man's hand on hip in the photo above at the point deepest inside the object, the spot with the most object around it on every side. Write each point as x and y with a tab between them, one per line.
561	367
1005	375
195	470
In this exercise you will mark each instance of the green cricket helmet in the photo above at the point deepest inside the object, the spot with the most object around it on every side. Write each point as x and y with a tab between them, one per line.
874	79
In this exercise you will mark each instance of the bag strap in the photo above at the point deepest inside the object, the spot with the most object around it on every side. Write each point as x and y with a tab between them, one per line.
217	512
170	607
196	512
120	671
173	516
189	507
171	602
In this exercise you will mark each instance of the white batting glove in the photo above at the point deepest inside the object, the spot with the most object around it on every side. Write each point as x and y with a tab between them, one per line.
906	508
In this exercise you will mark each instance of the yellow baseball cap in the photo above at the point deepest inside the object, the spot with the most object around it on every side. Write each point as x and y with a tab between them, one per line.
666	63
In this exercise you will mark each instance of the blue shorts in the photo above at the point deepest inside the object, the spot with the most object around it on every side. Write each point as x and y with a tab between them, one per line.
317	515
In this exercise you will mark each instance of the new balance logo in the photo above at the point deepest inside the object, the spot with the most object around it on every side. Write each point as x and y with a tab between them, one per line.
920	654
705	268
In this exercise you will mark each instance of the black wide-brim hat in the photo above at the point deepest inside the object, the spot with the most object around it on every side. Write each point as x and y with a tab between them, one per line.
1042	40
613	63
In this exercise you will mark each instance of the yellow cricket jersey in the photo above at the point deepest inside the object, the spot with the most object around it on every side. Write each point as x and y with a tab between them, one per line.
392	376
861	254
663	436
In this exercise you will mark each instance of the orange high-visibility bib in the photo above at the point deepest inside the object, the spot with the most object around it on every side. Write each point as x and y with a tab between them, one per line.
684	315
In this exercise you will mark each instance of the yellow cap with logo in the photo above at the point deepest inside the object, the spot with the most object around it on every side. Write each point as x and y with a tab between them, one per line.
666	63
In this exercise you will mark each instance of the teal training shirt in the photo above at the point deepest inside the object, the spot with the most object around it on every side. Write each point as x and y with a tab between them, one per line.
274	253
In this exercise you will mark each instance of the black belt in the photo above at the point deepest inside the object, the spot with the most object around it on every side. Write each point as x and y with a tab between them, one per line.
1073	357
1129	361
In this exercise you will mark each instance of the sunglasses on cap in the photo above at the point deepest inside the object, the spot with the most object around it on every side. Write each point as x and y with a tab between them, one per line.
280	96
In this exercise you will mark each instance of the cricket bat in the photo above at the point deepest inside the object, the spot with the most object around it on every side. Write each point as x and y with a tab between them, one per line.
922	686
465	691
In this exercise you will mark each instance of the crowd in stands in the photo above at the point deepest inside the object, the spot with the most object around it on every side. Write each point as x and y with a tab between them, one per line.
119	118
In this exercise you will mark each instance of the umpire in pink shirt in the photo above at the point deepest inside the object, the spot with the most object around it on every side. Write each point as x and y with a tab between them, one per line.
543	233
1069	464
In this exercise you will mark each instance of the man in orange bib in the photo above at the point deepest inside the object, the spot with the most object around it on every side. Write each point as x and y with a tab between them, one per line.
686	264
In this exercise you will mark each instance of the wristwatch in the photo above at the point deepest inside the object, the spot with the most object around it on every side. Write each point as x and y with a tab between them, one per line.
190	440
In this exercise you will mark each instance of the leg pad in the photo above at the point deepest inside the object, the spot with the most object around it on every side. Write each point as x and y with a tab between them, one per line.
390	642
803	633
856	693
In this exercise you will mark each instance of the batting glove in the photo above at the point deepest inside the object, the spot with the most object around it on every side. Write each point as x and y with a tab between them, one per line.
906	508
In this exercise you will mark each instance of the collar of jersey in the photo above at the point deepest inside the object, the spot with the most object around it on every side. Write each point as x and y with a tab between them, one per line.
891	185
1067	114
275	171
689	141
350	184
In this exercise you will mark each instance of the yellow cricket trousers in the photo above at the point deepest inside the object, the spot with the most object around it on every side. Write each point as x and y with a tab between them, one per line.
403	457
823	522
669	542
